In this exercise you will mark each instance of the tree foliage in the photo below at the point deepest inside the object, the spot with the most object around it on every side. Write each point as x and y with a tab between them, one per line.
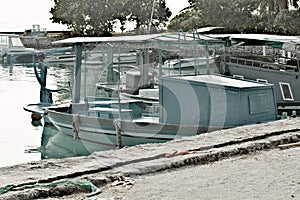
269	16
99	17
287	22
269	9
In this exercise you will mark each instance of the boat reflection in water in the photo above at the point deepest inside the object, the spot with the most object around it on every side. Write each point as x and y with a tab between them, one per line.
57	145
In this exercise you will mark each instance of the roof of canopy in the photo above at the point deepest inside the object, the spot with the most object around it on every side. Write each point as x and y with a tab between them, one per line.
150	38
290	43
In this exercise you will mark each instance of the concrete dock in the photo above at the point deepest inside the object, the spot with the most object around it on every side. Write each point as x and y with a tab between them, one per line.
89	177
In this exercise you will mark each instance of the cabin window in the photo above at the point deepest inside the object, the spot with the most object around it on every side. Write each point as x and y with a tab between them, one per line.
16	42
261	80
286	91
3	41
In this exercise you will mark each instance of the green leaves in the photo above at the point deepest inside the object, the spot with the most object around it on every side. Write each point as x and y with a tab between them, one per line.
98	17
240	16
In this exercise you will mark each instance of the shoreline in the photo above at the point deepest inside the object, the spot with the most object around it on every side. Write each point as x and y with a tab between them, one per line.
115	168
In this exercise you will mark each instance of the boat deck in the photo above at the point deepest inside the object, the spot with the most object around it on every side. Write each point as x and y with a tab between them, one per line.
277	65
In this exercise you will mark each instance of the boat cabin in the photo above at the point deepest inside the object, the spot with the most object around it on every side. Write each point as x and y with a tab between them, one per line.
12	50
214	100
10	41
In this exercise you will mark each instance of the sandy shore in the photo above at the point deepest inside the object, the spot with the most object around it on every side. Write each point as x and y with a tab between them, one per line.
266	175
263	176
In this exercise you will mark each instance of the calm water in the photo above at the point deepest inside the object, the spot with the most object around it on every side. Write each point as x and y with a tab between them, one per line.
20	141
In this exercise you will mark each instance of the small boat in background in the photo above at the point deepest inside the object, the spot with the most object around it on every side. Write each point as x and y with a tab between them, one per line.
12	51
61	55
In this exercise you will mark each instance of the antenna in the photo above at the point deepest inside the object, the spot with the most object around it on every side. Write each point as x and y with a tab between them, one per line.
151	17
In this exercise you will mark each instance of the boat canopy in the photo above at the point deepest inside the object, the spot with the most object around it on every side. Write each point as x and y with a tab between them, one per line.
149	38
290	43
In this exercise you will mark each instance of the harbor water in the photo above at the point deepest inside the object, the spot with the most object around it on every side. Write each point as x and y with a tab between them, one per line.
20	141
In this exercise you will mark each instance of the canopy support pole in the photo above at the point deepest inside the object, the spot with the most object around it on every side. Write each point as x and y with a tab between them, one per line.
77	73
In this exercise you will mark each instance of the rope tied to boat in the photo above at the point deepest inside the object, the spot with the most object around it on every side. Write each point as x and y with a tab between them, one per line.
75	126
118	124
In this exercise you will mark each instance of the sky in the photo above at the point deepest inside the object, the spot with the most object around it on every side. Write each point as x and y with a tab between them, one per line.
177	5
19	15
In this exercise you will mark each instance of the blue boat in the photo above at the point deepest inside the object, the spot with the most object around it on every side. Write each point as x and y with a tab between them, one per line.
189	104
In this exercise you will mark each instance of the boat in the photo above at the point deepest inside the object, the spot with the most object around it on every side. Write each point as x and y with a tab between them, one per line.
59	55
280	66
188	104
60	58
188	62
12	51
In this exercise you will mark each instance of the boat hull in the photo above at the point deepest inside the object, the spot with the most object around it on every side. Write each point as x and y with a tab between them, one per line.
102	132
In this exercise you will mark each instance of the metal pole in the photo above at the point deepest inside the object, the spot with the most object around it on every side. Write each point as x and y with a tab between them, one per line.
151	17
85	72
160	60
195	54
118	125
77	73
207	58
179	53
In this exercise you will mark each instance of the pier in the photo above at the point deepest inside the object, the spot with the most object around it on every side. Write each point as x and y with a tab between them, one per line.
92	176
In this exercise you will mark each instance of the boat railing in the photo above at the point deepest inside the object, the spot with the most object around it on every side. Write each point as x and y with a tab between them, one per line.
260	64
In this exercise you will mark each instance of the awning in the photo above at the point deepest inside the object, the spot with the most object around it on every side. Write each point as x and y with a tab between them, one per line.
150	38
290	43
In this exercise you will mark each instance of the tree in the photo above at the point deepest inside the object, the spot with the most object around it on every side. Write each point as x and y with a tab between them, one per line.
98	17
185	21
238	15
140	13
269	9
70	13
234	15
287	22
